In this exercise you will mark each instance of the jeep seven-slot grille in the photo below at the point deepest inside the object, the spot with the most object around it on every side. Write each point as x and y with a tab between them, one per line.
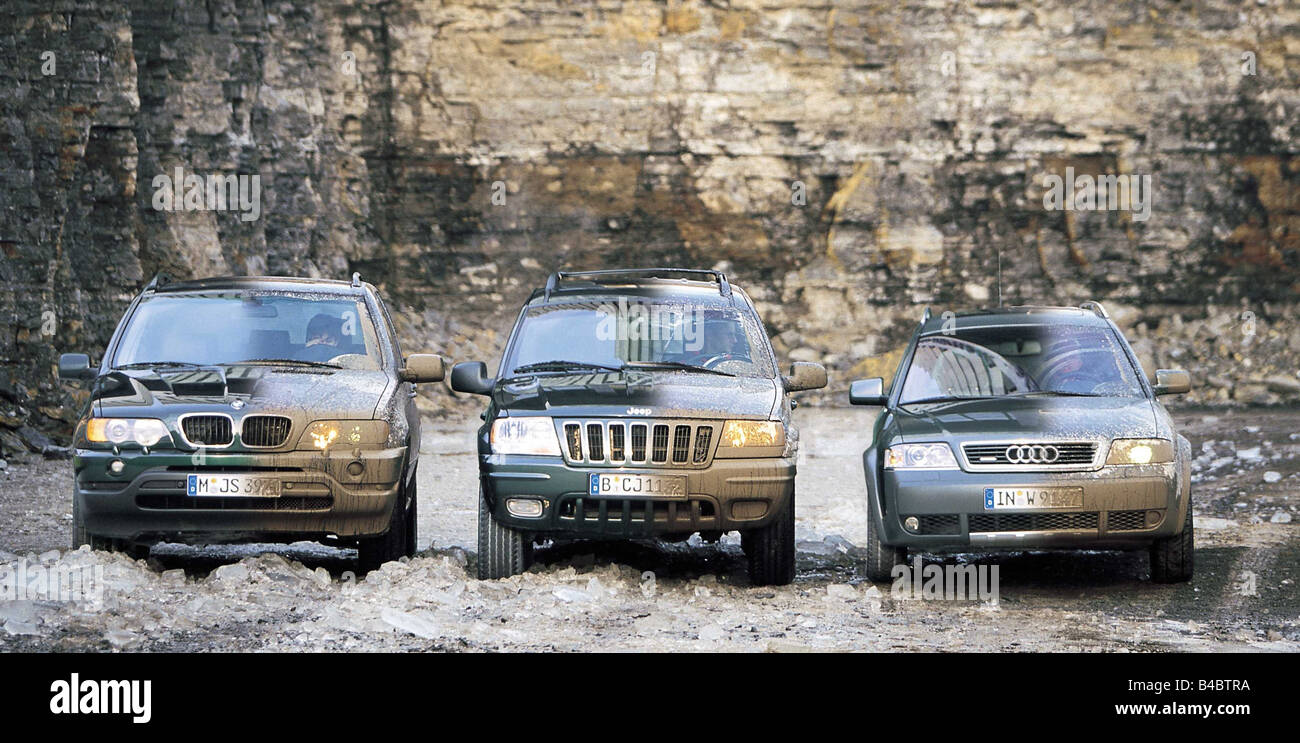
207	430
1043	454
638	442
265	430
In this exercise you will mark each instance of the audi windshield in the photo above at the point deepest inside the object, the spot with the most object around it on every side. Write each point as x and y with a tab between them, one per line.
1021	360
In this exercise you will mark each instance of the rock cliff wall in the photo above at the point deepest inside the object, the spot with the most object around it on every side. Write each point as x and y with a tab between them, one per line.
848	162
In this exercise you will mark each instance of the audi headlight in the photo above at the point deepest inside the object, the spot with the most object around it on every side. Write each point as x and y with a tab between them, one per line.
1140	451
323	435
920	456
525	436
118	431
738	434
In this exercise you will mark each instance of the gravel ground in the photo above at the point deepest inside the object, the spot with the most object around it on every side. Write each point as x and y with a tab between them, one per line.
662	597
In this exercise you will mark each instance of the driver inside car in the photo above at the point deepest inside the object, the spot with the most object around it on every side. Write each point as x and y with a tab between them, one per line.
726	341
324	333
1067	370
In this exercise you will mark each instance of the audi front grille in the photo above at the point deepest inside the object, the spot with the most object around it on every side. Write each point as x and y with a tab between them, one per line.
1026	455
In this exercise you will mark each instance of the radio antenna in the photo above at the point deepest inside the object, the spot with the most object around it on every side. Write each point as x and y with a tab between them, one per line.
999	275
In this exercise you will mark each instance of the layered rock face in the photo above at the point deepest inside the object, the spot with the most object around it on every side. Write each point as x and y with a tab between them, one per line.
847	162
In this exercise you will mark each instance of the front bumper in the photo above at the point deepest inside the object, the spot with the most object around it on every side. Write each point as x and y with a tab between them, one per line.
1123	507
727	495
319	497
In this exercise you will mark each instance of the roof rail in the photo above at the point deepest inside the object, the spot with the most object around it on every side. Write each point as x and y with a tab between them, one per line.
1096	309
925	316
553	282
159	279
356	279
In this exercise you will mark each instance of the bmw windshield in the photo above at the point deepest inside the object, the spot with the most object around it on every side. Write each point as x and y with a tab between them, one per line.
1021	360
231	326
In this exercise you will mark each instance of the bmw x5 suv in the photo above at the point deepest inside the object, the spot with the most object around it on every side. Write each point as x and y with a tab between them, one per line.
250	409
1026	428
637	404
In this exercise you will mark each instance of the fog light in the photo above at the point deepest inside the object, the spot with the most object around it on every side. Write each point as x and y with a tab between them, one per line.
356	468
116	466
912	523
524	507
1153	517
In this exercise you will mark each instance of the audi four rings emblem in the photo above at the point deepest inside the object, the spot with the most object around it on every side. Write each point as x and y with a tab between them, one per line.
1035	454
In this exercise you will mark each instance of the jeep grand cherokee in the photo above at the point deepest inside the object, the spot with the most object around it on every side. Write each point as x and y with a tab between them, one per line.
637	403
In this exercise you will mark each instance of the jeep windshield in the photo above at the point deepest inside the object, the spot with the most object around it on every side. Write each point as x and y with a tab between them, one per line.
654	335
247	326
1015	361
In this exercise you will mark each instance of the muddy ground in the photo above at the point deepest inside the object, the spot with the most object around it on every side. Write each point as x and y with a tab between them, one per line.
602	597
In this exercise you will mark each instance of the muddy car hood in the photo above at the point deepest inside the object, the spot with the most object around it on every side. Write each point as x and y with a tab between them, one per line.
1032	417
311	394
669	394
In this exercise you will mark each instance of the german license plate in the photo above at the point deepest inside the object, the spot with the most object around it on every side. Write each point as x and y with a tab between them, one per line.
232	485
623	484
997	499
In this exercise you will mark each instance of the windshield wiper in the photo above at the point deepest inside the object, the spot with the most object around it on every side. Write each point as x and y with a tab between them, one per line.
146	364
677	365
564	366
318	364
949	398
1054	393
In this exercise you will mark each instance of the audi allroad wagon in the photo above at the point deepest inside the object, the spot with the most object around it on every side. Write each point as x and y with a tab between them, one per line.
637	404
1026	428
249	410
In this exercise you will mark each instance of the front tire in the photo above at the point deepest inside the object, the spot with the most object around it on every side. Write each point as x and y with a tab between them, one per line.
881	558
1172	557
502	551
770	549
80	536
372	552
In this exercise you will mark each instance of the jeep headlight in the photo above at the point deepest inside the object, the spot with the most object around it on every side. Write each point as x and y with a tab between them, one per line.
535	435
118	431
1140	451
323	435
935	456
736	434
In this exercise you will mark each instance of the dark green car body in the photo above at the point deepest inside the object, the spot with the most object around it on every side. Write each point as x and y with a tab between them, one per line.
236	458
654	421
1019	426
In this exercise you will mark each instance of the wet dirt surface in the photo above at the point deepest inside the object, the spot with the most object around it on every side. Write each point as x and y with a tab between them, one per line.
600	596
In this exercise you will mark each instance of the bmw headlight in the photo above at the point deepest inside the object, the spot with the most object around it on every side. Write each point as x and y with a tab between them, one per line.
936	456
119	431
1140	451
534	435
323	435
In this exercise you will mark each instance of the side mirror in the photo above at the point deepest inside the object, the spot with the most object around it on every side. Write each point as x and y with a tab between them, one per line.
805	376
423	367
1172	382
868	392
471	377
75	366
